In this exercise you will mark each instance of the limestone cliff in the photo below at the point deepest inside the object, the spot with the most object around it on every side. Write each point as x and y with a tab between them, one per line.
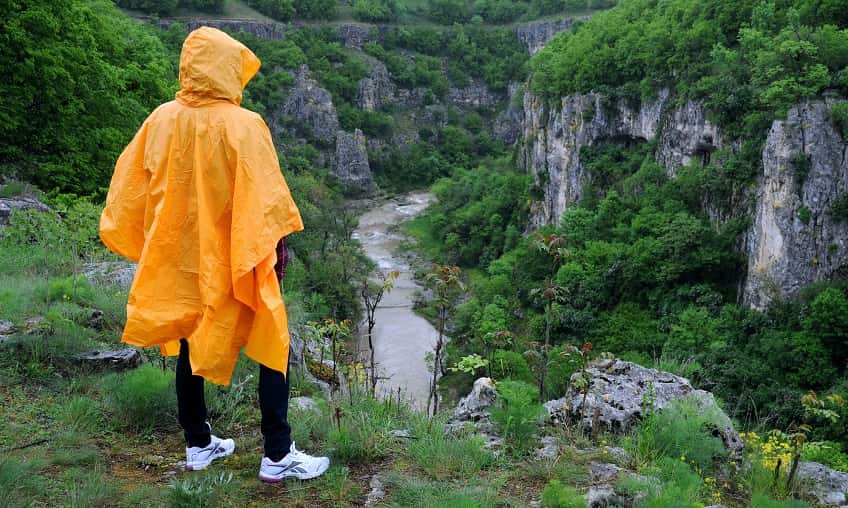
551	138
795	239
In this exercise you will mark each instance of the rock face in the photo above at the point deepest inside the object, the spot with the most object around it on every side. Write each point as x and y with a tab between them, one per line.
351	163
534	36
795	238
618	392
473	96
828	487
552	138
308	110
377	89
507	126
262	29
9	205
356	35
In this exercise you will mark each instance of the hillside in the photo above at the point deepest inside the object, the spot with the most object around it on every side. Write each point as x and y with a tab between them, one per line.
663	183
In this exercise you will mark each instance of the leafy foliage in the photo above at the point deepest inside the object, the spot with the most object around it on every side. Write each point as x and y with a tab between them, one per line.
93	72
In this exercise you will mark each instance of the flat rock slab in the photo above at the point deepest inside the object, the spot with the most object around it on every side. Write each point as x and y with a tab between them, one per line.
110	273
119	359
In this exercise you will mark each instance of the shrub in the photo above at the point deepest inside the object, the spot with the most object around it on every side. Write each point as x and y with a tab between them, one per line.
143	399
560	369
375	10
511	365
839	115
683	431
68	289
557	495
517	413
443	456
199	491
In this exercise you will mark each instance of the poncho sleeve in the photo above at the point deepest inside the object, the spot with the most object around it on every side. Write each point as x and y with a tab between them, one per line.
263	212
122	220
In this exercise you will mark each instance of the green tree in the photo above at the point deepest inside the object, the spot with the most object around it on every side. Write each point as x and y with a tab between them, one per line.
447	284
82	78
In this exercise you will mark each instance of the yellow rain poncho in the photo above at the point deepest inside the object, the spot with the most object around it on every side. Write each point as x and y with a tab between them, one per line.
198	200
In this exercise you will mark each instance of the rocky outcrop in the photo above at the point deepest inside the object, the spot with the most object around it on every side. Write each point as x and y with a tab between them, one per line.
795	238
270	30
308	110
356	35
377	89
534	36
473	410
475	95
619	392
110	273
9	205
553	136
827	486
351	163
507	126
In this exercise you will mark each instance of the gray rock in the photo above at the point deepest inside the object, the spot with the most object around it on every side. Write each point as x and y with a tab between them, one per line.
351	163
473	411
7	329
378	491
356	35
308	110
827	486
507	126
119	359
603	496
270	30
535	35
37	325
476	404
97	320
618	392
795	239
377	89
110	273
9	205
549	449
400	434
603	473
473	96
304	404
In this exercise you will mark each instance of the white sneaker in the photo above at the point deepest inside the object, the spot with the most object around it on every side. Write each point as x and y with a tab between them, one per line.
294	465
198	458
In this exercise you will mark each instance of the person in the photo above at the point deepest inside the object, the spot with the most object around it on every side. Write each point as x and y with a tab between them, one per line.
199	201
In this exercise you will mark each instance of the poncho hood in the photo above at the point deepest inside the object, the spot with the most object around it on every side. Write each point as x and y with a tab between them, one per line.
214	67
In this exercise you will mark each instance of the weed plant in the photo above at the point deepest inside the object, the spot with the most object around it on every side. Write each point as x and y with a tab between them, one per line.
142	400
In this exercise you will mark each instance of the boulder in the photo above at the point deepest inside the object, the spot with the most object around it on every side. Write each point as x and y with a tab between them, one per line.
307	404
475	405
110	273
828	486
618	393
119	359
9	205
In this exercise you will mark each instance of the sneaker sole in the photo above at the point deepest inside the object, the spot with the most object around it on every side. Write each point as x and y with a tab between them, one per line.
200	466
298	476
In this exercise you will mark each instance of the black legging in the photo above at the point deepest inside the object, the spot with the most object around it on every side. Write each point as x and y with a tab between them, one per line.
273	401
